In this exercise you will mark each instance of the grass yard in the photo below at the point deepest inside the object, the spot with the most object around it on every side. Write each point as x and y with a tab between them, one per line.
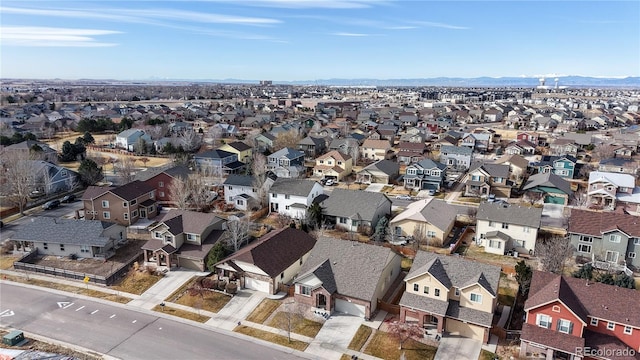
262	312
271	337
406	263
360	338
181	313
137	282
486	355
304	326
68	288
6	261
507	290
385	346
474	251
209	300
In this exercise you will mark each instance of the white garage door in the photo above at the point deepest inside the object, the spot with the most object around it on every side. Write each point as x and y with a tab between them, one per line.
455	327
343	306
254	284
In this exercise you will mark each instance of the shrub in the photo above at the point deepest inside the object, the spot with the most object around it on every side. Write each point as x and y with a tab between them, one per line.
208	283
73	257
221	285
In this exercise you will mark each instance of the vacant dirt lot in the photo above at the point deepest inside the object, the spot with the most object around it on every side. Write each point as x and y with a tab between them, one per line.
94	266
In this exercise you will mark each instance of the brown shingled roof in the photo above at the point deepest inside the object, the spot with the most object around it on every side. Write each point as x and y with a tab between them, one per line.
132	190
557	340
596	223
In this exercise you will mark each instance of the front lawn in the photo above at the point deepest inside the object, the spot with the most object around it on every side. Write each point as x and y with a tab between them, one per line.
385	346
69	288
271	337
6	261
207	300
302	326
137	282
360	338
262	312
181	313
486	355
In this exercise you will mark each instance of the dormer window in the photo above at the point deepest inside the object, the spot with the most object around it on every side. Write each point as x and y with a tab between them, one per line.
555	308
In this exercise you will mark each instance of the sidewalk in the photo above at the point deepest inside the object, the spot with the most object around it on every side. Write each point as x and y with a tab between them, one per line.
166	286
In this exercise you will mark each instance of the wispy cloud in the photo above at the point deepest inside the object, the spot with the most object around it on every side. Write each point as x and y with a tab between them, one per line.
402	27
309	4
52	37
438	25
349	34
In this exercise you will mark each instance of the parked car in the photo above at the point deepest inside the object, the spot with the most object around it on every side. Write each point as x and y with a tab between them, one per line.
36	194
68	198
403	197
330	182
491	198
431	192
51	204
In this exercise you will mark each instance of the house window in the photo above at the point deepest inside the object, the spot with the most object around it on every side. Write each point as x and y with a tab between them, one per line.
436	292
476	298
594	322
544	321
133	202
161	184
321	161
431	234
125	216
587	239
106	215
274	195
339	162
134	213
343	220
457	291
612	256
565	326
495	244
125	204
584	248
555	308
505	225
152	195
105	203
287	197
287	207
628	330
492	224
426	290
192	237
45	246
521	243
614	238
631	255
636	241
304	290
161	194
281	275
61	247
84	248
525	229
240	202
475	178
611	326
416	287
157	235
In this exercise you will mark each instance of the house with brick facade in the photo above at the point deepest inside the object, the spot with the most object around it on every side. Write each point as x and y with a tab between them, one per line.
161	180
571	318
346	276
451	294
124	204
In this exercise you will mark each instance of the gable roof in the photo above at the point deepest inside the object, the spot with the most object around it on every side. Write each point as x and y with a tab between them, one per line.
548	180
239	145
355	267
457	150
429	164
296	187
186	221
619	180
289	153
510	214
597	223
276	251
215	154
93	192
354	204
434	211
498	170
334	154
179	172
376	144
64	231
239	180
132	190
386	166
514	159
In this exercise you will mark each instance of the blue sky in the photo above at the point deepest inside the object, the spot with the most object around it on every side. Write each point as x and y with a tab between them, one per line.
307	40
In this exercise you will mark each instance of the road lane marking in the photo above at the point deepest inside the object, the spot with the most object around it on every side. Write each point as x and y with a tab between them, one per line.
112	316
134	321
94	311
64	304
7	312
80	308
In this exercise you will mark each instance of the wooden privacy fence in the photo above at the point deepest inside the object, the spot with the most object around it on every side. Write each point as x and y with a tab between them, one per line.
390	308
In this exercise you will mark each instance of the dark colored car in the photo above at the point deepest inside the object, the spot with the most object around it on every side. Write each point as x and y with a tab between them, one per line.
68	198
51	204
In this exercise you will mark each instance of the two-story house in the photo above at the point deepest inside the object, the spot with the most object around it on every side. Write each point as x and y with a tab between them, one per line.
425	175
609	237
411	152
52	178
484	179
563	166
161	180
380	172
129	138
286	163
124	205
244	151
219	162
375	149
501	228
312	147
605	188
433	219
292	197
241	191
571	318
334	165
452	294
521	147
619	165
563	146
480	142
456	158
529	136
355	210
183	238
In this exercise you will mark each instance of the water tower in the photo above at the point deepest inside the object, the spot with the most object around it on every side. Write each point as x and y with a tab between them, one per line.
556	80
541	82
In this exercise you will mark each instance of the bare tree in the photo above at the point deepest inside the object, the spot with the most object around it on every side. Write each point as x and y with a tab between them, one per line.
353	150
283	220
603	151
72	182
533	197
287	139
125	170
580	198
237	231
420	234
199	191
291	317
214	134
157	132
17	178
179	193
585	170
404	331
190	140
259	171
553	252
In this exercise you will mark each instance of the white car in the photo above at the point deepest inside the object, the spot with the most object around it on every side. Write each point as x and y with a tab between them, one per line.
330	182
403	197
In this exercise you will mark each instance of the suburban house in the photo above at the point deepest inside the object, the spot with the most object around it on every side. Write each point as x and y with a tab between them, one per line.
623	151
456	158
240	191
480	142
26	150
571	318
501	228
451	294
517	166
529	136
346	276
379	172
312	147
619	165
564	146
264	141
269	262
128	139
425	175
287	163
244	151
605	188
375	149
484	179
292	197
65	237
411	152
356	210
334	165
124	205
608	237
551	188
432	219
563	166
52	178
521	147
183	238
161	180
217	162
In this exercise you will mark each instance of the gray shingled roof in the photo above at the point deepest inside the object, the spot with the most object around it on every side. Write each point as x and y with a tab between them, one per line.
356	267
239	180
64	231
459	271
496	170
415	301
459	150
386	166
294	187
434	211
470	315
548	180
289	153
354	204
510	214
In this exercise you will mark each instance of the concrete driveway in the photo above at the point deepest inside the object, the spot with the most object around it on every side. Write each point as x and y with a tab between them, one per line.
375	187
456	347
335	336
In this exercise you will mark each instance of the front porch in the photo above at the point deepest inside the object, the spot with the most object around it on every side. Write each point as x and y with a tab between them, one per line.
433	324
159	255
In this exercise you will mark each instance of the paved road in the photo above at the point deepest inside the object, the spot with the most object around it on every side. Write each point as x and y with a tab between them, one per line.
120	332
